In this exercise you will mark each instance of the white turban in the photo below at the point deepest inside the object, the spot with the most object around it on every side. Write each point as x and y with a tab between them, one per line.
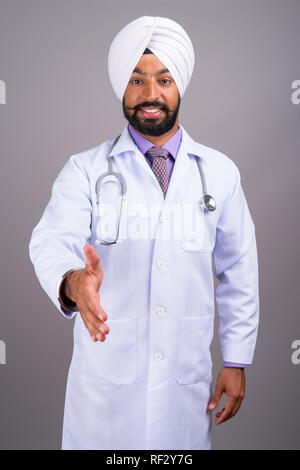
164	37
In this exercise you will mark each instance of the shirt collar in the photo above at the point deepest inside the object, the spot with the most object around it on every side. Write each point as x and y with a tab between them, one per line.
143	144
126	143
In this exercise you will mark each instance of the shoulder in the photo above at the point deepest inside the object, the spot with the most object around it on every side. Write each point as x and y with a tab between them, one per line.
220	170
86	159
216	157
89	155
223	168
210	157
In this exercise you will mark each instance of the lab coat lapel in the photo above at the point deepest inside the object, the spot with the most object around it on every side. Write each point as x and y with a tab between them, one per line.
125	143
179	174
182	167
182	164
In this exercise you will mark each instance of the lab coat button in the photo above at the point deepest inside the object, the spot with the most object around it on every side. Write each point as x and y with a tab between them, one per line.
158	356
160	309
161	264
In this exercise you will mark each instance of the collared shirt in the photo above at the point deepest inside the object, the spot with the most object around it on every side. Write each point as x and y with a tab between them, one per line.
172	145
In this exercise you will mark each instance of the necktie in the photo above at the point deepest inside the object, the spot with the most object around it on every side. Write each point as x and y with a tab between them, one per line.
159	166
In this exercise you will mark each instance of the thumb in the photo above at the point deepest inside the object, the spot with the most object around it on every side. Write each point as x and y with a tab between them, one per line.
92	259
215	399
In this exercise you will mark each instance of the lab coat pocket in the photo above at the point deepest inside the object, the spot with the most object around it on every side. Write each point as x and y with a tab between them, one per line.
113	361
193	353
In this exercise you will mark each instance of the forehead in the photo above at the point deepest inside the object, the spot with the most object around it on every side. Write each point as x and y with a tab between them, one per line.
150	64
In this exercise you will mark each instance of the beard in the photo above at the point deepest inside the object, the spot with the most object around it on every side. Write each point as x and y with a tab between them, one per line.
150	126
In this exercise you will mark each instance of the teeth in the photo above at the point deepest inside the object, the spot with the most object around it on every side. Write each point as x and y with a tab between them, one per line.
151	110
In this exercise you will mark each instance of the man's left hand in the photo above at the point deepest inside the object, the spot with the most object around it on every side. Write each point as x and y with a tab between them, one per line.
231	381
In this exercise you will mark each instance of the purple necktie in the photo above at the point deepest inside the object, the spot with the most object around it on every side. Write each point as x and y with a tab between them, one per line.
159	166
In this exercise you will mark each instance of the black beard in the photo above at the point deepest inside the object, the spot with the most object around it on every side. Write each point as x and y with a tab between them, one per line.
148	127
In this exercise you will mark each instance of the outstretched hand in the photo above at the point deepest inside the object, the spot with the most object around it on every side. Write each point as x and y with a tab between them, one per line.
82	286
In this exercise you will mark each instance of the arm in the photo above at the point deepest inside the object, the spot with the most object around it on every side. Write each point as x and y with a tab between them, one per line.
57	241
237	296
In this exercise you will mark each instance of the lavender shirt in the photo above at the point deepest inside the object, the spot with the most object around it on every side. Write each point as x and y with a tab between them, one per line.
172	145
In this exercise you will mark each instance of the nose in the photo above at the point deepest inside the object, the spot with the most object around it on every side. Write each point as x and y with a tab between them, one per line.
151	91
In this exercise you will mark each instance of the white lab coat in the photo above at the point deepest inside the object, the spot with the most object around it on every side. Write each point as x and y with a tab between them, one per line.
148	385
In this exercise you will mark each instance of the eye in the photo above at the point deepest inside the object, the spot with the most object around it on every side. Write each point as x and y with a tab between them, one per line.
135	80
166	80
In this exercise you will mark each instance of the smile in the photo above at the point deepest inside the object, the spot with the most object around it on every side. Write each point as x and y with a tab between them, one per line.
150	112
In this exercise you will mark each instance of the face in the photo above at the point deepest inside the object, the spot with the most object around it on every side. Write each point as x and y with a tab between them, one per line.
151	100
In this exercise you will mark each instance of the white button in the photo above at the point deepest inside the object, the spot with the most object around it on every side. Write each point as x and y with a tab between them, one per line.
158	356
161	264
160	309
162	218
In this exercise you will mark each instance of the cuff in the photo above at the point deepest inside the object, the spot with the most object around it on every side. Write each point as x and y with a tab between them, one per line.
235	364
67	307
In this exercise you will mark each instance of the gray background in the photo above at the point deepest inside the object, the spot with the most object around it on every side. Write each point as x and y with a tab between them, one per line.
53	59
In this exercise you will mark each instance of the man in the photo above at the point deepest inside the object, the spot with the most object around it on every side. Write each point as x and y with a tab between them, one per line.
140	375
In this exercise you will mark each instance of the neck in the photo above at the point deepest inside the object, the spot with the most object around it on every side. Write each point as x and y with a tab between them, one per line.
160	140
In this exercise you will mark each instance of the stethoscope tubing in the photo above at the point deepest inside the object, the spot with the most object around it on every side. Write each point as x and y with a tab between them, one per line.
208	203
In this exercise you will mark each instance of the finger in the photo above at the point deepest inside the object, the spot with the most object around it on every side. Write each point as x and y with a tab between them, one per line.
100	336
93	305
224	416
215	399
97	313
92	259
237	407
237	402
100	313
220	412
96	335
94	325
227	412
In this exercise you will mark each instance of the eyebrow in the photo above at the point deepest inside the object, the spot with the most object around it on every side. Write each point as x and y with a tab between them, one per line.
137	70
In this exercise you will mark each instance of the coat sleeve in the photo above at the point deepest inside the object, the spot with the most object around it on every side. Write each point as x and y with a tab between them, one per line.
57	241
236	268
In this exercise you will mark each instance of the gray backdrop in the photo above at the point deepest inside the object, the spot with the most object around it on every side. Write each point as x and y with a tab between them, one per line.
59	101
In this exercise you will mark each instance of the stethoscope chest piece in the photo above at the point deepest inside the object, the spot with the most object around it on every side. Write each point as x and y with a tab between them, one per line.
208	203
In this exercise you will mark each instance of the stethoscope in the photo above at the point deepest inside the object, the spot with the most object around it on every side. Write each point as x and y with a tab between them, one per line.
207	203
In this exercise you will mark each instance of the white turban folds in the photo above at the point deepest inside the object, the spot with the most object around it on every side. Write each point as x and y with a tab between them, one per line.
164	37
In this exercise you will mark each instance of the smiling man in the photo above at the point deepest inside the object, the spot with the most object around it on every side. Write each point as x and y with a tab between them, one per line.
141	370
158	116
